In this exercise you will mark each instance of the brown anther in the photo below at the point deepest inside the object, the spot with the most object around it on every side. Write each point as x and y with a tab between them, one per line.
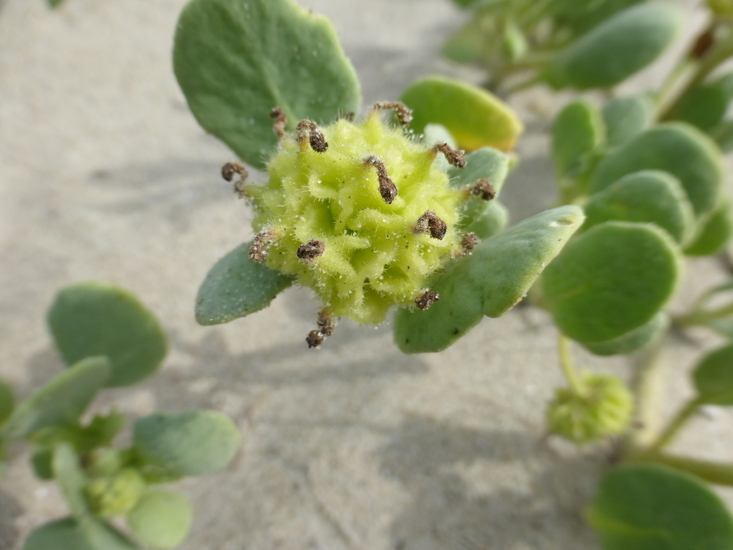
427	299
483	190
230	171
703	43
314	339
310	250
348	115
453	156
280	121
469	241
432	223
401	111
307	129
387	188
326	323
258	248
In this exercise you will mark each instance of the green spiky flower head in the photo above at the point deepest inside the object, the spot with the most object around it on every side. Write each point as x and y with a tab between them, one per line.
359	212
604	408
115	495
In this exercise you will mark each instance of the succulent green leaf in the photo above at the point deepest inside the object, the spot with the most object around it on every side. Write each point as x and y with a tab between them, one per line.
611	280
577	132
161	519
723	135
632	341
714	233
579	17
486	162
475	117
236	60
646	196
89	319
644	507
489	221
72	534
627	117
71	478
187	444
713	377
117	494
705	105
490	281
617	48
62	400
677	148
237	286
7	401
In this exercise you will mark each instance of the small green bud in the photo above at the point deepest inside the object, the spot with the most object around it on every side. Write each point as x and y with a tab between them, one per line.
602	410
359	212
116	495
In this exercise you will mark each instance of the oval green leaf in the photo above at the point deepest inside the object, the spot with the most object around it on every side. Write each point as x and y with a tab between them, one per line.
611	280
627	117
617	48
161	519
71	478
490	281
487	222
187	444
475	117
236	60
642	507
648	196
237	286
714	233
577	132
632	341
705	105
70	534
90	319
713	377
62	400
677	148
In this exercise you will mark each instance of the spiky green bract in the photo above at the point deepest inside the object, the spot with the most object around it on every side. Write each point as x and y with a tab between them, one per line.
373	257
603	409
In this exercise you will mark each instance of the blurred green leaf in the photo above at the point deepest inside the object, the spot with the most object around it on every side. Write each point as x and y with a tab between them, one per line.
577	132
89	319
617	48
723	135
115	495
465	46
581	16
611	280
71	534
187	444
713	377
237	286
493	219
704	106
677	148
55	3
627	117
7	401
62	400
490	281
714	233
632	341
161	519
487	163
475	117
70	478
235	61
642	507
646	196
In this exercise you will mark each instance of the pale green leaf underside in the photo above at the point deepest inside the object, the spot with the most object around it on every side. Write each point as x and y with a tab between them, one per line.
627	117
161	519
236	60
237	286
489	282
641	507
60	401
611	280
71	479
632	341
189	443
578	131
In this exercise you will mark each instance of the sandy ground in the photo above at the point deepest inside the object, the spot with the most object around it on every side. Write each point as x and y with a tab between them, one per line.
105	175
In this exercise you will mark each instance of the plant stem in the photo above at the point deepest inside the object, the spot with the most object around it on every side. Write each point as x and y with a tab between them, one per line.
713	472
700	317
568	369
684	414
